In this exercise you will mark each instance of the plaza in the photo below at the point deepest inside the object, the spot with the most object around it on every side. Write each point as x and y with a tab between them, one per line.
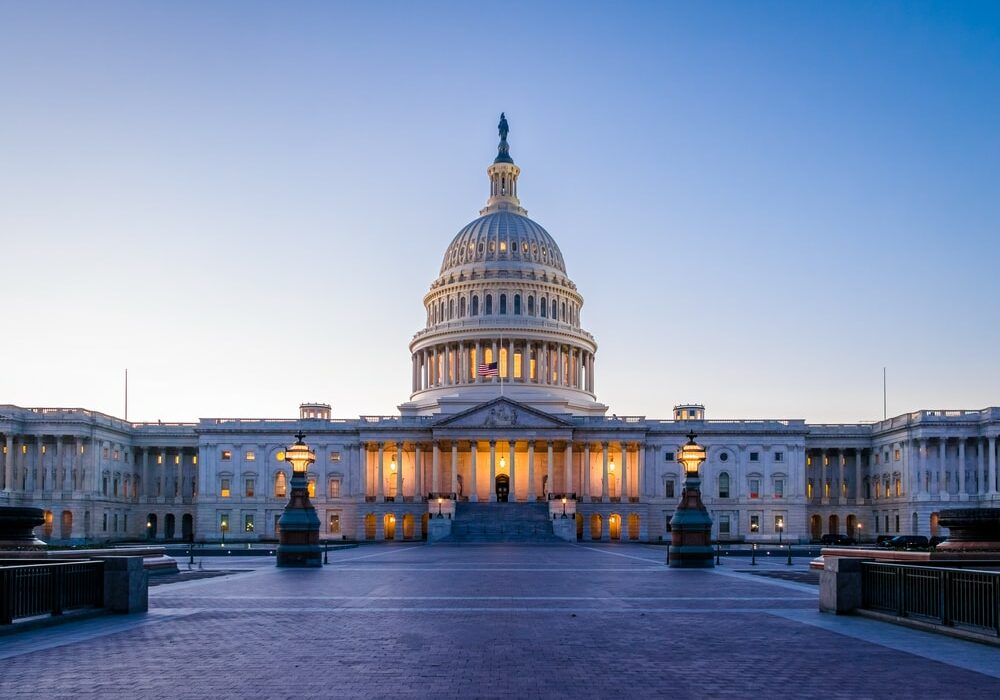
563	620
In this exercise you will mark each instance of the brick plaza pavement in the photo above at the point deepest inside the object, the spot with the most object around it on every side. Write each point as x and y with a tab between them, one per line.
559	621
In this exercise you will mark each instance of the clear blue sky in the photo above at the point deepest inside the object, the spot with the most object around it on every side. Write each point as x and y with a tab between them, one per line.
190	189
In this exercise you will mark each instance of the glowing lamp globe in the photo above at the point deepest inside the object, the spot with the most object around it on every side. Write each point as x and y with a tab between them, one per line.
691	455
299	455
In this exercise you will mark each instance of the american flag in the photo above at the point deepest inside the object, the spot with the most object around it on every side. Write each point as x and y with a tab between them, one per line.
489	370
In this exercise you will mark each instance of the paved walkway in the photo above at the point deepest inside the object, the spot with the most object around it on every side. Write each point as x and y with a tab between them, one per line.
490	621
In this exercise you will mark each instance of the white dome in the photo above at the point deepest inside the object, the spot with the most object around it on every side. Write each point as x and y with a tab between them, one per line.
503	236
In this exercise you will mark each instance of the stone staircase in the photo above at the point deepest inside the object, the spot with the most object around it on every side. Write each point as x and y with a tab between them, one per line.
501	522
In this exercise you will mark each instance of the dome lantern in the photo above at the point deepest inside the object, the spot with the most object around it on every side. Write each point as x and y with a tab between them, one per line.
503	177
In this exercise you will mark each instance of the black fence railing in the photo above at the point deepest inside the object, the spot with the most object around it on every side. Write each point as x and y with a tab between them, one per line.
35	588
953	597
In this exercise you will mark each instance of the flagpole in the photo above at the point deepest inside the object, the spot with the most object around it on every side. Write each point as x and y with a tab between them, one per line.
499	371
126	393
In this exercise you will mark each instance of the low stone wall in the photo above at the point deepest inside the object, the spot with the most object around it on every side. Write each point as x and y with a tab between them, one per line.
154	559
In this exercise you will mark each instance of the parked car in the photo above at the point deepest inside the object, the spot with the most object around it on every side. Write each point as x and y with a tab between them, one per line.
935	541
907	542
882	539
836	540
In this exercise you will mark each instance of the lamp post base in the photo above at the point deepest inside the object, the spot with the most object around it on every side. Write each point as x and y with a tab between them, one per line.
691	531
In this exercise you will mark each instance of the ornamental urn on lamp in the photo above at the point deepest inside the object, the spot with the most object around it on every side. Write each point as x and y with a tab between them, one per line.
691	526
298	543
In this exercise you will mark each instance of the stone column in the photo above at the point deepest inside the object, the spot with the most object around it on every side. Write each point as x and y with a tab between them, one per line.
77	466
8	465
399	476
992	442
604	472
473	468
624	494
961	469
363	465
568	480
858	493
640	476
921	479
532	494
550	468
436	467
418	473
511	444
841	458
824	475
980	467
479	360
495	357
942	457
29	477
454	466
446	370
560	373
493	471
510	360
586	470
380	487
180	476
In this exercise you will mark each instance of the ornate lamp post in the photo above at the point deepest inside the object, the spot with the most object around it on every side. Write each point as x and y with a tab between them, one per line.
564	506
299	541
691	526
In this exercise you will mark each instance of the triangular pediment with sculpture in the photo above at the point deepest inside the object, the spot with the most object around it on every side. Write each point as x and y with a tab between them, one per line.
503	413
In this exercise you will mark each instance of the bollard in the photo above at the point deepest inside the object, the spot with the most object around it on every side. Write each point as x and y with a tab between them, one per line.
789	562
717	562
753	554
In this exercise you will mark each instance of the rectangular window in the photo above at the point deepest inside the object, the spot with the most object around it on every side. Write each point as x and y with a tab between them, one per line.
897	522
249	488
723	525
159	459
105	452
224	522
334	456
224	490
754	524
887	522
116	522
755	456
116	455
226	455
312	487
809	460
779	456
898	454
248	522
177	458
334	488
251	455
668	456
779	523
754	488
669	518
104	524
104	486
779	488
670	488
334	526
877	457
194	459
876	522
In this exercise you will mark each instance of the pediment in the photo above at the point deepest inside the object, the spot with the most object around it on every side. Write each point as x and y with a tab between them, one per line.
503	413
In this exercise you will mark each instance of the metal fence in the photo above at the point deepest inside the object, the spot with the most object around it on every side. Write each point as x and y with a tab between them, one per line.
966	598
35	588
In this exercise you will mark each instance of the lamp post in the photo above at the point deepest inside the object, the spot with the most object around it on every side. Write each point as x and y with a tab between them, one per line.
298	544
564	506
440	500
754	528
225	528
611	478
858	538
691	525
781	528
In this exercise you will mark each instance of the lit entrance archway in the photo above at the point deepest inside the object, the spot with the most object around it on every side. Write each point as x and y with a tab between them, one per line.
816	527
369	526
852	526
935	530
169	526
151	526
408	526
633	526
579	526
66	528
187	527
502	488
596	526
834	525
615	526
389	526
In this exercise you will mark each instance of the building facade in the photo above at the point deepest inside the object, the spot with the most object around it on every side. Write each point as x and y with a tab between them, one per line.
503	407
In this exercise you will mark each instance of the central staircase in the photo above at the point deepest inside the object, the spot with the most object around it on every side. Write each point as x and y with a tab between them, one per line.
501	522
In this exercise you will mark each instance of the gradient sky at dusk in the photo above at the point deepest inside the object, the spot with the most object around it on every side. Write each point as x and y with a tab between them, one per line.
763	204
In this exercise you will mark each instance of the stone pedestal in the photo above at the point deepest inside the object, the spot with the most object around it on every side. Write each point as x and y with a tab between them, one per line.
565	528
126	585
840	585
970	529
298	543
438	528
691	530
17	527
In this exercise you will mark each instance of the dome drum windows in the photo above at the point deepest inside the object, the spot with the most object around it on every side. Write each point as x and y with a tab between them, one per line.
503	303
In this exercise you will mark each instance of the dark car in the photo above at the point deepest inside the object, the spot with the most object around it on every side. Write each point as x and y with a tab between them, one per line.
935	541
907	542
835	540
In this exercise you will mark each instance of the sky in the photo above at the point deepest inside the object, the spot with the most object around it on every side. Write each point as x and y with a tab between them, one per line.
763	204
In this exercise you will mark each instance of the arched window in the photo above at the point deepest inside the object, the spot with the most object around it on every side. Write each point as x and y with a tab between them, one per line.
461	307
555	310
563	311
451	309
280	485
531	305
517	304
543	307
503	303
724	485
475	305
489	305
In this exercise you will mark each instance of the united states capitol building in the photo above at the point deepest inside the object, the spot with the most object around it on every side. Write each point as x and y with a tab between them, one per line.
502	408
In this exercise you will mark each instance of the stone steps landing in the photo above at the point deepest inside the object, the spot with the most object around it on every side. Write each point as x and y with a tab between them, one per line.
501	522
